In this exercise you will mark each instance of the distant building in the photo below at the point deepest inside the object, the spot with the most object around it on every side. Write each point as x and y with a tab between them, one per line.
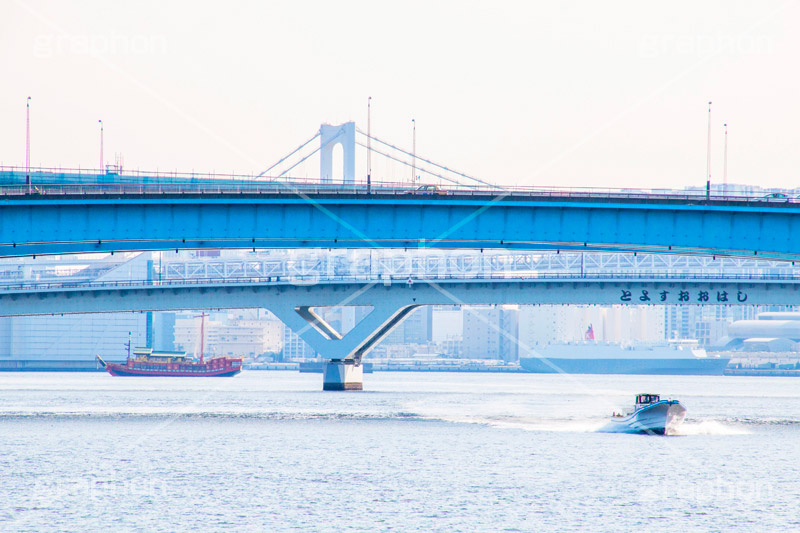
164	332
248	338
709	330
451	347
70	337
708	323
415	329
77	337
545	324
236	337
187	335
549	324
447	324
294	347
770	332
490	332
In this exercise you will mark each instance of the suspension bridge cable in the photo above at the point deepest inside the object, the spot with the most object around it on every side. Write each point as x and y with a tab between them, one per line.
406	163
290	155
429	162
306	157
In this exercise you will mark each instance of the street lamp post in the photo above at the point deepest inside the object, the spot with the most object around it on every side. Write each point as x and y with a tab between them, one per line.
414	152
708	154
101	146
725	163
369	145
28	143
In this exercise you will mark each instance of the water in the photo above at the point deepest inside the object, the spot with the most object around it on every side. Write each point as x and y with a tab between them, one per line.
441	452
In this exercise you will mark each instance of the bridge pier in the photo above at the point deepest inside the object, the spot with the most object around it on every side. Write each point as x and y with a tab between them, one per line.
345	351
343	374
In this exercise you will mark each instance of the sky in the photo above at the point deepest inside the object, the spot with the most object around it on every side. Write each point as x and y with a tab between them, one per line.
561	94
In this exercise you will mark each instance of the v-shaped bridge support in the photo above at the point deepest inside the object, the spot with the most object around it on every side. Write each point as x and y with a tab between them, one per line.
299	309
332	344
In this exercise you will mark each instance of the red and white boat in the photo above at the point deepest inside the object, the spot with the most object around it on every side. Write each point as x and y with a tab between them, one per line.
146	362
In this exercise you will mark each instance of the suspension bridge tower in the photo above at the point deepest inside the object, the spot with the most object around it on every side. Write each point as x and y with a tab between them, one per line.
330	136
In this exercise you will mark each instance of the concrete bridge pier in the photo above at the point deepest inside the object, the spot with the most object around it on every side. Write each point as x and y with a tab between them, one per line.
343	374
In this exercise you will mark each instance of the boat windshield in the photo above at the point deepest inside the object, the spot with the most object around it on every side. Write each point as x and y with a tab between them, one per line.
644	399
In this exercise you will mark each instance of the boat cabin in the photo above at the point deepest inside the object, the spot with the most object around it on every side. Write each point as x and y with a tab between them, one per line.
646	399
150	355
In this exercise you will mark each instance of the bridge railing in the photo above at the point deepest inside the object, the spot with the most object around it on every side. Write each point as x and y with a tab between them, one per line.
52	181
407	280
51	189
378	263
389	262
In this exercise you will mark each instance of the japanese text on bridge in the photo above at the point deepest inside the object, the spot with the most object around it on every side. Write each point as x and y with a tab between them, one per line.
680	296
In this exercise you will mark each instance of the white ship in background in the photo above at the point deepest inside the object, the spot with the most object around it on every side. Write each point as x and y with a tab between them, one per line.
593	357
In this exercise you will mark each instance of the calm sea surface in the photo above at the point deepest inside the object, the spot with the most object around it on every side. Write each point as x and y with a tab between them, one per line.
415	451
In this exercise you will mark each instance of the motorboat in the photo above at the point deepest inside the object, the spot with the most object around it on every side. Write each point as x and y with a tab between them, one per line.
651	415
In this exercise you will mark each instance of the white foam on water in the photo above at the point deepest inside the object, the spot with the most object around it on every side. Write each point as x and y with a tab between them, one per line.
518	422
710	427
551	425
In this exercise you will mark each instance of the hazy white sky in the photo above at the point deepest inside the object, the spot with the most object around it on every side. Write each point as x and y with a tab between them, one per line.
582	93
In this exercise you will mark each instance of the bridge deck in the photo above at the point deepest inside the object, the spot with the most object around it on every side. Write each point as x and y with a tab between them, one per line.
48	218
281	191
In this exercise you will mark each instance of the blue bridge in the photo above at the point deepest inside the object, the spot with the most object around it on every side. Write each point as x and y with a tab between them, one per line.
63	218
56	212
296	301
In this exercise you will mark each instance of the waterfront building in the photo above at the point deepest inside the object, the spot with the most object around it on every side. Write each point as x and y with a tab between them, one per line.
415	329
230	336
295	348
490	332
549	324
447	324
77	337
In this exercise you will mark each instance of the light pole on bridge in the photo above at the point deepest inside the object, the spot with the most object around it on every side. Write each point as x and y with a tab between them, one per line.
28	143
101	145
369	145
414	151
725	163
708	155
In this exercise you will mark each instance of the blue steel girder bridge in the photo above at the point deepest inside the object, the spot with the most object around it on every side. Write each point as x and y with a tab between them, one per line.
299	286
53	212
56	219
297	302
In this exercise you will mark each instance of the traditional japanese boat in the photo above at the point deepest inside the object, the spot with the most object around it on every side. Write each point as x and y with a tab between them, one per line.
146	362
